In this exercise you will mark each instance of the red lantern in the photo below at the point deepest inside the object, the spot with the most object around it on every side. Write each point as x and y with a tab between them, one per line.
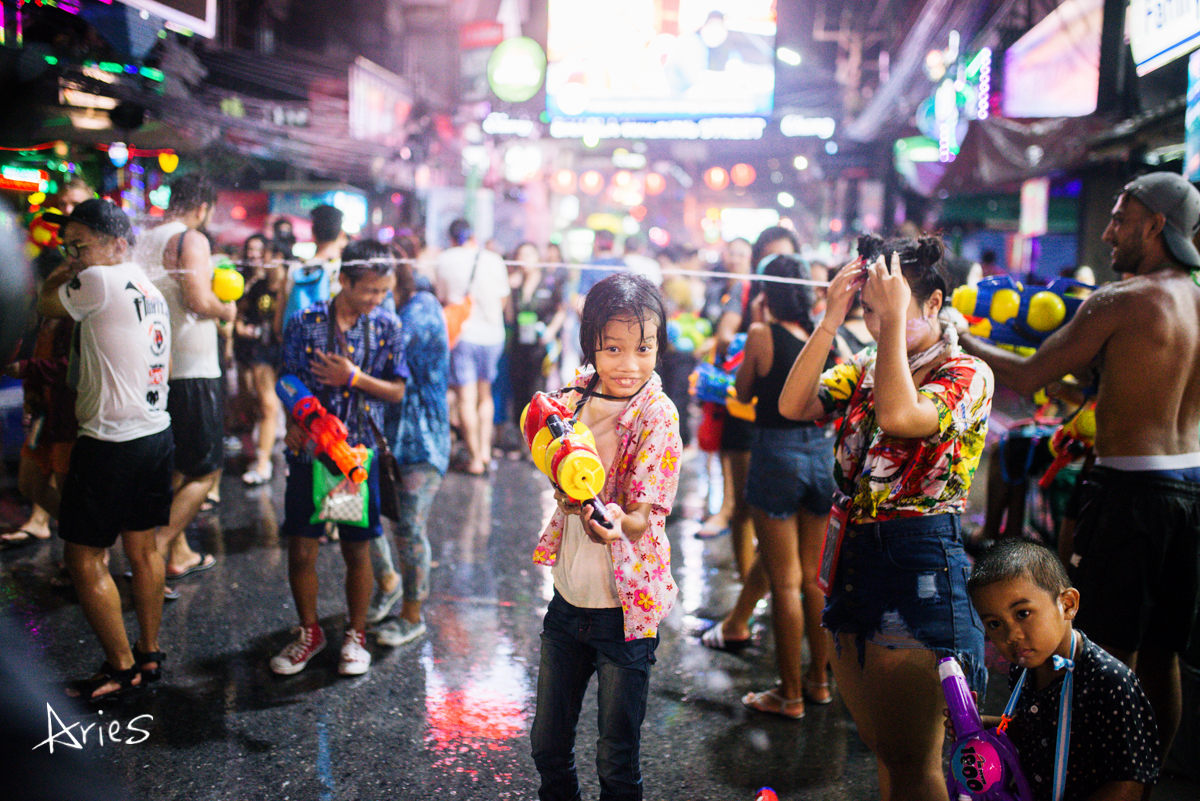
591	182
716	178
742	174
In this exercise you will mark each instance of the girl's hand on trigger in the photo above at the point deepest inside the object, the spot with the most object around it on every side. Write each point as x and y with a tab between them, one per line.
600	534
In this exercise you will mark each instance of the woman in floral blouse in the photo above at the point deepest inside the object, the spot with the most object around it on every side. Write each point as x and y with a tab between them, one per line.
915	413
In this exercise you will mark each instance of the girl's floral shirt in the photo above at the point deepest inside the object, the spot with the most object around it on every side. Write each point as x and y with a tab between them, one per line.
644	470
909	477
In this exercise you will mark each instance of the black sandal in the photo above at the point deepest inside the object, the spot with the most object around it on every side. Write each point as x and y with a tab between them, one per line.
84	689
142	658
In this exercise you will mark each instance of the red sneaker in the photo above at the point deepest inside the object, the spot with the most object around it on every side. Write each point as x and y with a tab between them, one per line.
293	659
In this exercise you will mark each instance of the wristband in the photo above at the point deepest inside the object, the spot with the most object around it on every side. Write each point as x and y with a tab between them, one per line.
827	331
354	374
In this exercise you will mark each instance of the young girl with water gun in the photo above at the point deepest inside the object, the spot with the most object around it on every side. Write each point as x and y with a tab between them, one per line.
612	581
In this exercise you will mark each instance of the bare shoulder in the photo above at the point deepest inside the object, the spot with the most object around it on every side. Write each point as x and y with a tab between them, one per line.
1147	291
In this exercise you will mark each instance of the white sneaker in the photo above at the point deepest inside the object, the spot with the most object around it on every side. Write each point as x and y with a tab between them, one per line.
356	660
294	658
383	602
254	477
398	632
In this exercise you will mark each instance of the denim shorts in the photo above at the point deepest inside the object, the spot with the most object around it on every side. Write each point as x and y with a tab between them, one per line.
791	469
903	584
470	363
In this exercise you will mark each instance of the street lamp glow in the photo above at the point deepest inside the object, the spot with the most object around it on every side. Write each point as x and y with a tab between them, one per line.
788	56
800	163
786	200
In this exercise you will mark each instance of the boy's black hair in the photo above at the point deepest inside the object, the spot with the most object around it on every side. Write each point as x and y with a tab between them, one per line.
620	296
919	261
789	303
366	257
190	192
460	232
326	223
1017	558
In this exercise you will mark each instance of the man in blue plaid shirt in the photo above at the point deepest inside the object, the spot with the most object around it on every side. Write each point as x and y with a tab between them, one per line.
347	351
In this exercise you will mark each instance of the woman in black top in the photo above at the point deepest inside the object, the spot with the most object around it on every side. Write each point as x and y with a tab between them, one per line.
789	490
537	315
256	346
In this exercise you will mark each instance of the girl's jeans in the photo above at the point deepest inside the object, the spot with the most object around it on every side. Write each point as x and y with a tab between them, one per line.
575	644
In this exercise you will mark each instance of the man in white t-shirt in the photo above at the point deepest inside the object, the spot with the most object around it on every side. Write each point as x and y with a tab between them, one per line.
119	480
467	269
177	258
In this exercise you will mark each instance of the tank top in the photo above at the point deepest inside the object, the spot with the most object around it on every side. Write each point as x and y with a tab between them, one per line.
194	350
767	388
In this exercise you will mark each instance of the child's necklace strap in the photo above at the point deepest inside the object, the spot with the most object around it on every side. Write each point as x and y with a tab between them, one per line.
1062	744
590	392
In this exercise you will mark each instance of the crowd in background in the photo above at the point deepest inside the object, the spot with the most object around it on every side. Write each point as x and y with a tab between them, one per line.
430	357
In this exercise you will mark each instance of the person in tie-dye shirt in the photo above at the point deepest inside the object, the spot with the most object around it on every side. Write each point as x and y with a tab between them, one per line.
612	586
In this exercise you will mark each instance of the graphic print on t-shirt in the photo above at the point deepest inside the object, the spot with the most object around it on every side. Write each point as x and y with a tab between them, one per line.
146	304
151	306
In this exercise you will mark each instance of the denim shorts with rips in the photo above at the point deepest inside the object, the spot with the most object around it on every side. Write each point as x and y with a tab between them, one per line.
903	584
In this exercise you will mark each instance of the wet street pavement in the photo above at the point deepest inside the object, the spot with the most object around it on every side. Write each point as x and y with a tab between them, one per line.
447	716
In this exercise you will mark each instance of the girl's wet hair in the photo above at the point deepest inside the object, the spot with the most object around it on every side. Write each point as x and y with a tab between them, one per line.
621	296
1014	559
790	303
920	261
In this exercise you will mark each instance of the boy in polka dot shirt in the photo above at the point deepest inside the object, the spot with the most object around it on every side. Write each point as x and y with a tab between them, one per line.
1027	604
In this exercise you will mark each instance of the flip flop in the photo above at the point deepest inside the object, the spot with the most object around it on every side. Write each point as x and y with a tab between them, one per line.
772	703
714	638
809	686
20	537
708	532
207	560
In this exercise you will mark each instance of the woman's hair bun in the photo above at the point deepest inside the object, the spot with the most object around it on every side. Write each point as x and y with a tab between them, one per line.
929	250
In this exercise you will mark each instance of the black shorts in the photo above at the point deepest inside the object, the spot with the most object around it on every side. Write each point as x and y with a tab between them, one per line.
250	352
1136	559
737	435
197	409
113	487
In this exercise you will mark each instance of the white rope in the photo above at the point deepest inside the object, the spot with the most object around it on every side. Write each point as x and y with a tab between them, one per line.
609	268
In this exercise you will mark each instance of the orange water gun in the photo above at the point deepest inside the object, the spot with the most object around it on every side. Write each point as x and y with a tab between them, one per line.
565	450
1073	440
327	435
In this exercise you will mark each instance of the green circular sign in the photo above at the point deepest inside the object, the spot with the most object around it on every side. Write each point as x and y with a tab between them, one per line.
516	69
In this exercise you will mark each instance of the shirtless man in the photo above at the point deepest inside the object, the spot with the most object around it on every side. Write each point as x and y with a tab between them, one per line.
1135	553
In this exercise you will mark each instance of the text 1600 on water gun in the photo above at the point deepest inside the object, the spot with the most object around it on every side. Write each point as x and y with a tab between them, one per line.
983	762
327	435
1001	309
563	448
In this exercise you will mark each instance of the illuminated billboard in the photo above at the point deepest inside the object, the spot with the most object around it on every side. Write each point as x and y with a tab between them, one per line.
198	16
1054	69
660	59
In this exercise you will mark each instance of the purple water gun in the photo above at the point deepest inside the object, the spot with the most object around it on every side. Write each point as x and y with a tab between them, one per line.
983	764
